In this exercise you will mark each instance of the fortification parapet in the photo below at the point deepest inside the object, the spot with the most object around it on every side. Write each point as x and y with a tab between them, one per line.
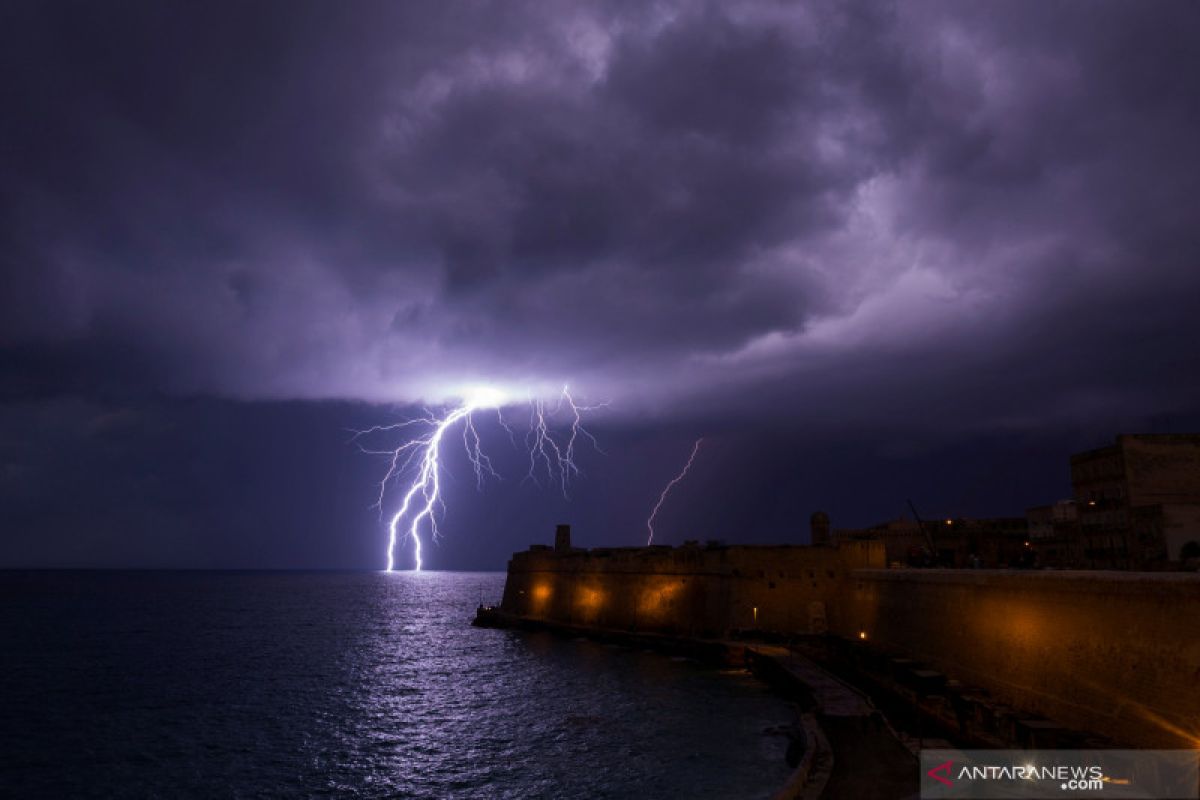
701	591
1116	653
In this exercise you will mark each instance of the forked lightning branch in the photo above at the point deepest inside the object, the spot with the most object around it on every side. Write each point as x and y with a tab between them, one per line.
416	464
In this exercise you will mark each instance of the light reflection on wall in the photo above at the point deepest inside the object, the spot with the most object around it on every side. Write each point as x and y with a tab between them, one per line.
589	600
1021	623
657	599
1090	651
540	597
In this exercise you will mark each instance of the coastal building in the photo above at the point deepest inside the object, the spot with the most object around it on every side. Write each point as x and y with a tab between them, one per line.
983	543
1139	501
1054	535
950	542
905	542
1135	506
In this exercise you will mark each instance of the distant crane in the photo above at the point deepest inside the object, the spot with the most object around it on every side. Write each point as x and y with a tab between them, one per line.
924	531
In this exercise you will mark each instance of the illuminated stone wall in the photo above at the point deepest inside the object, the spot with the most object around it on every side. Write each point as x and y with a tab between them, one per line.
1116	653
1111	652
690	590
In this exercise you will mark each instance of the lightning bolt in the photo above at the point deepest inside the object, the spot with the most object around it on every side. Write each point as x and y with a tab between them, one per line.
667	489
419	459
545	452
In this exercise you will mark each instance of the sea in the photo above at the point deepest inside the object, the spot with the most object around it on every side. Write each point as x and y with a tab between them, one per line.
351	684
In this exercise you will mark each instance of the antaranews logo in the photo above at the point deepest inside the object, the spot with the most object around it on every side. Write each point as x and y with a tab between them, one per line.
1060	773
1070	777
944	769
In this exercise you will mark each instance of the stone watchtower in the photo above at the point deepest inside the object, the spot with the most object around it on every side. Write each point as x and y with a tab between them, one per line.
819	528
562	537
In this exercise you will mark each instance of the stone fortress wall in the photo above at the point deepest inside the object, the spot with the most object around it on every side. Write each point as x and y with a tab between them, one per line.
692	590
1116	653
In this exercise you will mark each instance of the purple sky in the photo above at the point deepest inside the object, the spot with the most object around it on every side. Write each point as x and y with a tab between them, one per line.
871	252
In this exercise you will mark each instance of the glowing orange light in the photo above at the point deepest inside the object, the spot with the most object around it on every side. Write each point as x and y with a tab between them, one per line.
590	599
862	634
949	522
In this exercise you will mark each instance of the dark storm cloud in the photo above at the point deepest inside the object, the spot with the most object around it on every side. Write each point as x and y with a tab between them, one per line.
981	214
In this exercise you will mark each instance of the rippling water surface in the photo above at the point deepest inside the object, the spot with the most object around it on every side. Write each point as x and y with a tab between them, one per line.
201	684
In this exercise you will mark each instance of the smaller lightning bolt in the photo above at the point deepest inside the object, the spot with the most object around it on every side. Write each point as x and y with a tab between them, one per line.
667	489
545	451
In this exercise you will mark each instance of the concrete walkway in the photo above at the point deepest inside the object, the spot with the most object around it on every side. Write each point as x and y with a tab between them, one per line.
866	759
833	696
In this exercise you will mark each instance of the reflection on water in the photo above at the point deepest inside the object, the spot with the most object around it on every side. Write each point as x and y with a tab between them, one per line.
350	684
